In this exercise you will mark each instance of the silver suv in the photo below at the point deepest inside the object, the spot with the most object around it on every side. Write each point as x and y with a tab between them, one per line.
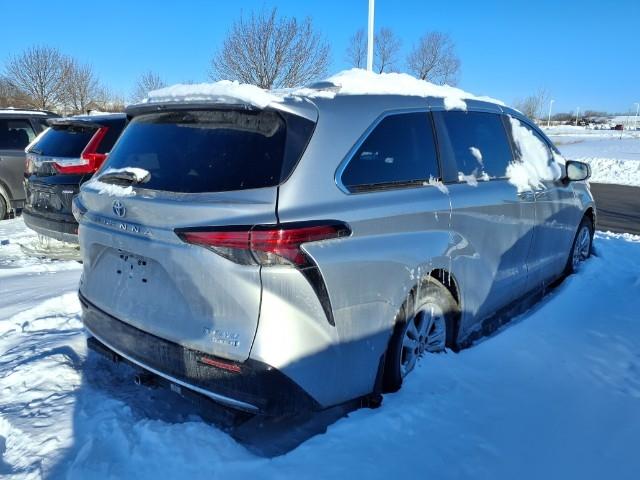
309	251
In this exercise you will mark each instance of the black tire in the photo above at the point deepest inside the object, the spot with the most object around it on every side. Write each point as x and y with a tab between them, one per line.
429	292
4	209
588	224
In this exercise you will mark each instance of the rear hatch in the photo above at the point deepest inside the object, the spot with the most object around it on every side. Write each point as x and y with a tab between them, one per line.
62	158
180	169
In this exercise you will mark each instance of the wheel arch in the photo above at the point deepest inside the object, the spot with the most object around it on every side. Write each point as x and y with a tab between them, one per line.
590	213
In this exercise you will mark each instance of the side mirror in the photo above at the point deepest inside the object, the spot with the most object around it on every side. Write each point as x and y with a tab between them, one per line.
577	171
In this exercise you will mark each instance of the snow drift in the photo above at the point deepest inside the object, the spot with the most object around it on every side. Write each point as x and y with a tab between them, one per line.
553	395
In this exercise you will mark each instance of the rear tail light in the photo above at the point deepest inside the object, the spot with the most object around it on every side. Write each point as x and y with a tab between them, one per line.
268	245
264	244
90	160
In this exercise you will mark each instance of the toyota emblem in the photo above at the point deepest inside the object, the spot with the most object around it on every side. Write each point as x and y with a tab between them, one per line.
119	208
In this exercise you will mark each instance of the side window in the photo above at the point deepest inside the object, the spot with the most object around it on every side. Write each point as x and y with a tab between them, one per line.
15	134
533	155
478	142
529	144
399	150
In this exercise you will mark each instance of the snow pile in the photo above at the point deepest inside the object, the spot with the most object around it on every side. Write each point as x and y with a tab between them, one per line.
613	160
224	91
530	174
614	170
362	82
526	403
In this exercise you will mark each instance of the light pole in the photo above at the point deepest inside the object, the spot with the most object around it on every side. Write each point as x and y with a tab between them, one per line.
577	112
549	119
370	37
635	122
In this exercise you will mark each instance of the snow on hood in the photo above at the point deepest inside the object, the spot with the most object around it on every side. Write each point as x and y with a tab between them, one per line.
224	91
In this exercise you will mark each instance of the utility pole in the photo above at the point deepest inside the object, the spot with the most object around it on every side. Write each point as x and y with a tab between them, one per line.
370	37
577	112
635	123
549	120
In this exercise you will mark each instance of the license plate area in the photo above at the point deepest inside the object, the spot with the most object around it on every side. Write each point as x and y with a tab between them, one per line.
133	268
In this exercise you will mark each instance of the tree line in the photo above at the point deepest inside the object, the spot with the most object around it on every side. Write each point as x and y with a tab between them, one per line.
264	49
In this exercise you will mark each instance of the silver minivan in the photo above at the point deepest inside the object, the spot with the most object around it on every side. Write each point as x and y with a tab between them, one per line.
300	253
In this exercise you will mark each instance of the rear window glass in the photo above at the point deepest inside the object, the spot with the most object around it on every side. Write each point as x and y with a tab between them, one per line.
479	144
63	141
15	134
114	129
212	150
399	150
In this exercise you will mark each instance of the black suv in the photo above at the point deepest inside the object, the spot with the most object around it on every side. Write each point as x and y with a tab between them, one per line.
17	129
66	156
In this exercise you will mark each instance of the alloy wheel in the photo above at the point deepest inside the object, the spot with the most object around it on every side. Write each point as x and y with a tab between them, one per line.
582	248
426	331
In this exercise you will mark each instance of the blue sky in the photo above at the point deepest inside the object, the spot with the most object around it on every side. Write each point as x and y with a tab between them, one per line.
585	53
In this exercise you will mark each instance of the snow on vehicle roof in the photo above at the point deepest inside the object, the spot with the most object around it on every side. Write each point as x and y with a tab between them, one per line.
362	82
224	91
23	112
348	82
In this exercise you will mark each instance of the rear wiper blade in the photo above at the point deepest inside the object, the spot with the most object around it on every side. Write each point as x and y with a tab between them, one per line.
124	177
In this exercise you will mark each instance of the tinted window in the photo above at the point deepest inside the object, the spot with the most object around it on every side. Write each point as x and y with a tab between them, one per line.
15	134
113	133
212	150
478	142
399	150
63	141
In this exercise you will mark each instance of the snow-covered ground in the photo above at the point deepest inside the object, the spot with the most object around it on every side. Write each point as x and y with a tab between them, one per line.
614	156
556	394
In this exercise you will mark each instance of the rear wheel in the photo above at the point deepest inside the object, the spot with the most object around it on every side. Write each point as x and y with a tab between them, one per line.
425	324
582	245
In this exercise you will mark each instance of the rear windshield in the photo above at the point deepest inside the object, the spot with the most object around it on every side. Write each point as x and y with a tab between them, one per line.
63	141
200	151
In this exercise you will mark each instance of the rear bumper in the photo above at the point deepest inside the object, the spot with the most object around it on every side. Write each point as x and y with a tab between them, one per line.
250	386
65	230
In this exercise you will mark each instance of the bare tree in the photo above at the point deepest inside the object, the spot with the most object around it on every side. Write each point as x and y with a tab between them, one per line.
108	101
81	87
356	54
387	48
147	82
271	52
40	72
533	105
10	96
434	59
